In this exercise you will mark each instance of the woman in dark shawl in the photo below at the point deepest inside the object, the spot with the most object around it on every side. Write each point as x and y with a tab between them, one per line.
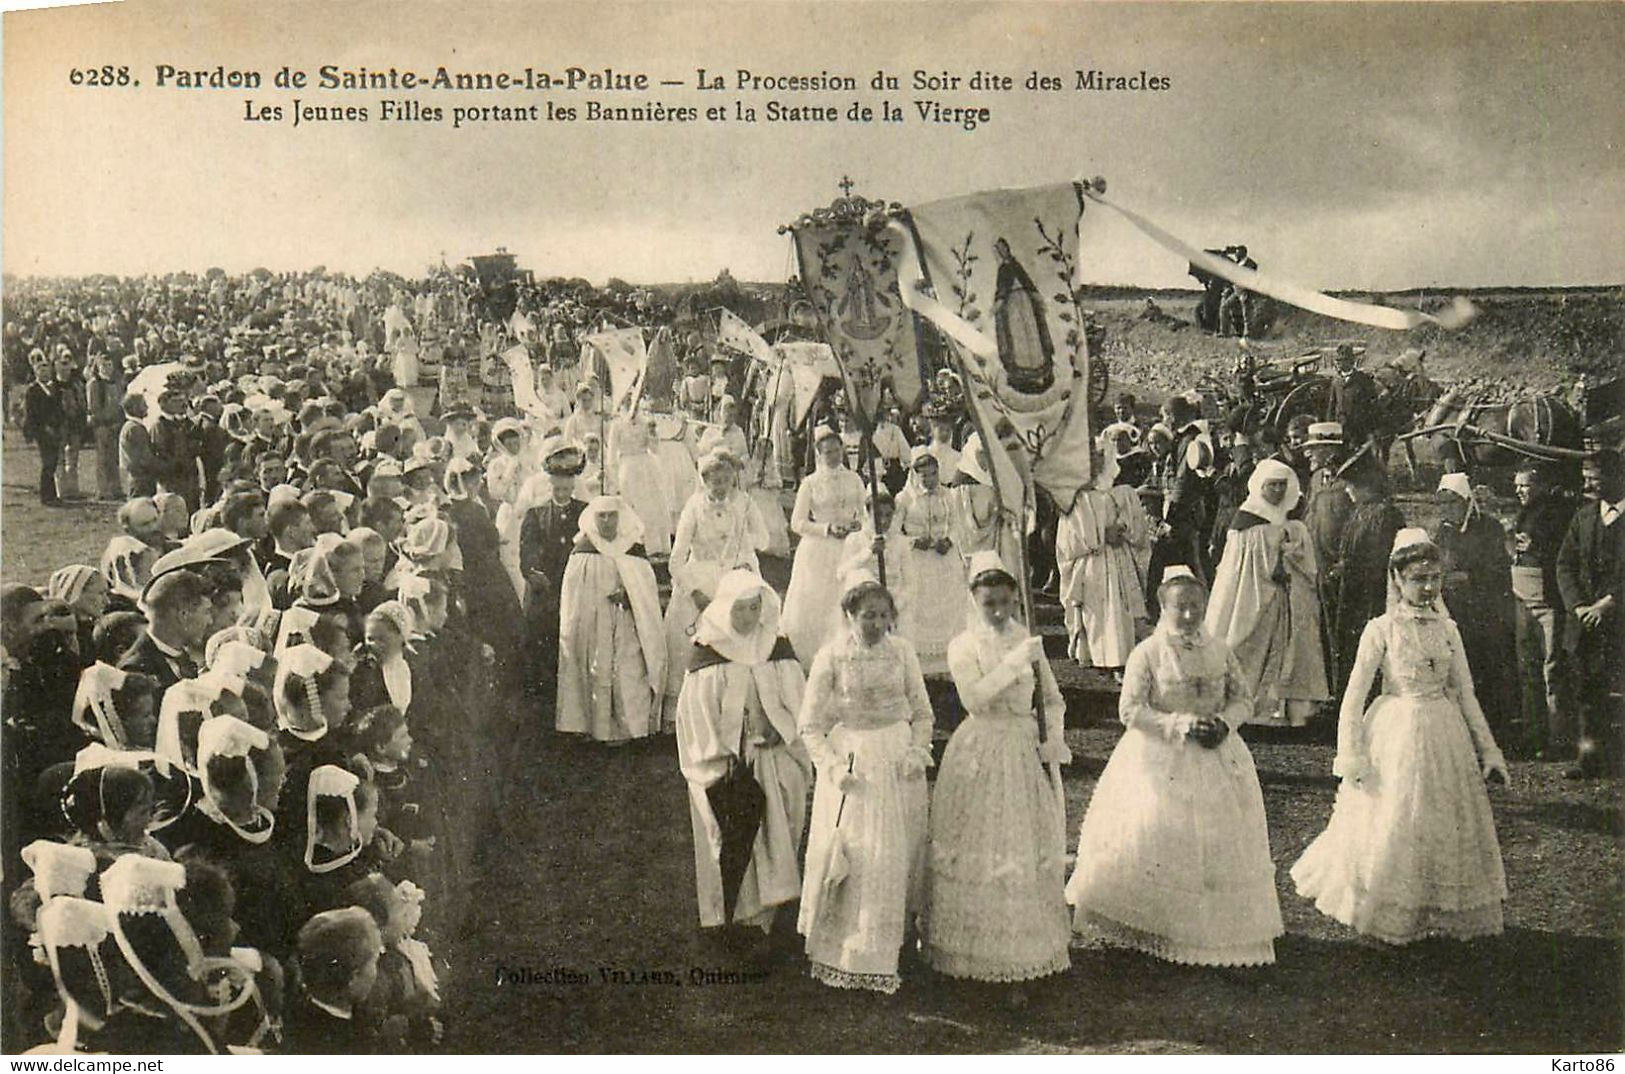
1478	594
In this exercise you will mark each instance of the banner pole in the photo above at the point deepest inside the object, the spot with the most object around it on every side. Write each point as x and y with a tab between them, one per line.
1053	769
868	446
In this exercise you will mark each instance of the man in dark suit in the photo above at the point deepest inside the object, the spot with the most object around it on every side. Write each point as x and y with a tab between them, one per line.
45	422
1591	577
179	615
1354	395
1187	493
1541	624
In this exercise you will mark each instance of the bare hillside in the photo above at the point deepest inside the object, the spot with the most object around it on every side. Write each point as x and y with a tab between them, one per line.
1521	340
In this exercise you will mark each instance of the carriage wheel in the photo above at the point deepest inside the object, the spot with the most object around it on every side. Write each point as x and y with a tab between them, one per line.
1312	397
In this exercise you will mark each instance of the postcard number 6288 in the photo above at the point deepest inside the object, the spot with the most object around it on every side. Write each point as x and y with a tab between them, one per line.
107	75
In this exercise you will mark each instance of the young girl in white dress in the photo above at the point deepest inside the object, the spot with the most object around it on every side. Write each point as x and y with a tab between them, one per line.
507	468
1174	855
720	531
866	723
642	482
931	590
1410	851
996	909
829	506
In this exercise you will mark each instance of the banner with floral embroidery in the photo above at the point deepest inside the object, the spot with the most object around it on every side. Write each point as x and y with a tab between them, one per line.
997	273
849	272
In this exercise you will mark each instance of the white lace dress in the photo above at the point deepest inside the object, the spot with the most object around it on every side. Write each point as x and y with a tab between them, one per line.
1174	854
505	477
1410	851
826	498
996	910
932	595
865	710
712	539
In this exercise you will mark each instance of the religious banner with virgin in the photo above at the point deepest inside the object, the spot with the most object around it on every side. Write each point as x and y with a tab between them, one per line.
996	272
848	263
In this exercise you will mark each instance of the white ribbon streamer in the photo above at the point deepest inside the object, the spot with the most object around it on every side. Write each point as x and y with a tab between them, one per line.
1460	312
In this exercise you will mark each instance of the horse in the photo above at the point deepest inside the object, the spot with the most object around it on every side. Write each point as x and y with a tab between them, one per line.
1602	405
1467	431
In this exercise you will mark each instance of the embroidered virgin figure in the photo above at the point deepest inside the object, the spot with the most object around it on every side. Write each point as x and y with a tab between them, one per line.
1022	331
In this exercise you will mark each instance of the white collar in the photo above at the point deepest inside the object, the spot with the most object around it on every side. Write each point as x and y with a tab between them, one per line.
163	646
336	1012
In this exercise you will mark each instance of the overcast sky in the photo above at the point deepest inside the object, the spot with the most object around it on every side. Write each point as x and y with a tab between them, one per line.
1349	146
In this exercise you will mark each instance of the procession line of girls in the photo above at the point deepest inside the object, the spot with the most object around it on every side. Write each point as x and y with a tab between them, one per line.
1173	855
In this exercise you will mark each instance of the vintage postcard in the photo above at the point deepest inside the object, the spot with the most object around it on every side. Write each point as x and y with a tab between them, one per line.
813	527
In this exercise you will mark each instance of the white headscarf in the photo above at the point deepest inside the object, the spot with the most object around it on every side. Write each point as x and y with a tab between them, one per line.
457	483
230	653
1405	538
197	695
714	627
120	566
396	407
627	534
331	781
970	460
227	736
69	583
311	576
396	672
1266	471
94	694
1461	485
302	663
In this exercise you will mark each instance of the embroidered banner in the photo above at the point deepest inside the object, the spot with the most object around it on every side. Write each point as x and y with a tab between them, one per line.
849	272
661	379
805	366
523	377
996	272
733	332
625	357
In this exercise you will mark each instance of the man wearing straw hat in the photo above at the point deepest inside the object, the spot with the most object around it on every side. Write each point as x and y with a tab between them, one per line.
1326	504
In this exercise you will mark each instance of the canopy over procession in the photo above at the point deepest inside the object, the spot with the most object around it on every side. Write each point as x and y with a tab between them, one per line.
385	545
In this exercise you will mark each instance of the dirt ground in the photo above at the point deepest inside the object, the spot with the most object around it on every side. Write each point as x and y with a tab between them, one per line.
584	939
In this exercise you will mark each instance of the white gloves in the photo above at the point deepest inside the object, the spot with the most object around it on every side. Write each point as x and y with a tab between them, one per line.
916	761
1029	651
1054	750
